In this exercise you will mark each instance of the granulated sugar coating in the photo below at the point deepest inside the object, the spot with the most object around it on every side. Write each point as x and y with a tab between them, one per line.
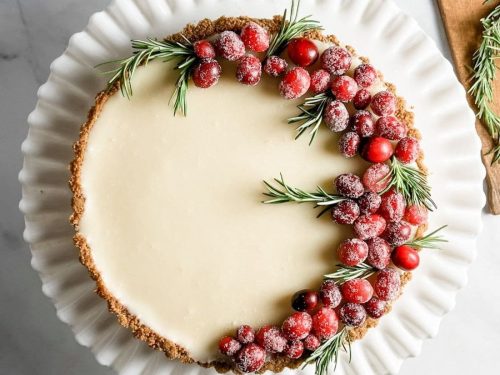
345	212
249	70
352	251
336	116
349	185
251	358
407	150
295	83
392	206
369	203
336	60
379	253
362	99
353	314
391	128
363	124
387	284
329	294
383	103
365	75
375	177
297	326
349	144
230	46
369	226
320	81
397	233
271	339
275	66
375	307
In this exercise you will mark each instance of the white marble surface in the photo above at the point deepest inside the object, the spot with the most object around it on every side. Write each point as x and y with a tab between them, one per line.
33	341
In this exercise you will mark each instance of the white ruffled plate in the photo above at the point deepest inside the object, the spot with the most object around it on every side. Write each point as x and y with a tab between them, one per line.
378	29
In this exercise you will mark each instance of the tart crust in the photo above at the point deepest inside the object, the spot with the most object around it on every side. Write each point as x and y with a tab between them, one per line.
203	29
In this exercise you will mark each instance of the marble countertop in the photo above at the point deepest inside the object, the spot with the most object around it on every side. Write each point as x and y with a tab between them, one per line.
33	341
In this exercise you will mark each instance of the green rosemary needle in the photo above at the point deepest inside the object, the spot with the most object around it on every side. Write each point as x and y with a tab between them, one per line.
345	273
429	241
311	115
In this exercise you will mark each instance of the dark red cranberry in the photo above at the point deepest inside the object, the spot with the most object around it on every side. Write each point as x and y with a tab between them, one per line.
336	116
362	123
379	253
352	251
271	339
245	334
329	294
353	314
295	83
349	185
311	343
251	358
375	307
383	103
357	290
305	300
249	70
365	75
229	346
415	214
336	60
294	349
369	203
206	73
255	37
387	284
391	128
297	326
397	233
377	150
345	212
392	207
405	257
349	144
369	226
320	81
376	177
344	88
230	46
407	150
362	99
204	49
275	66
302	51
325	323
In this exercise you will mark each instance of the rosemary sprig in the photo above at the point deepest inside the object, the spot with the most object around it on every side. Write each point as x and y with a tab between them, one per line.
345	273
311	115
291	27
484	73
429	241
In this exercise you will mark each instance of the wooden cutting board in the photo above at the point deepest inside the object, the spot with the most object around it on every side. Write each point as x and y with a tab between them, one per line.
462	23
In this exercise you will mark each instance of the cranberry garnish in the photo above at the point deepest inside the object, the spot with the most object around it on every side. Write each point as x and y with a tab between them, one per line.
271	339
320	81
305	300
251	358
344	88
275	66
294	349
345	212
329	294
302	51
383	103
362	99
415	214
369	203
204	49
249	70
387	284
352	251
336	116
311	343
369	226
379	253
377	150
353	314
375	307
336	60
245	334
295	83
392	207
357	290
206	73
255	37
229	346
405	257
230	46
325	323
362	123
397	233
297	326
391	128
376	177
407	150
365	75
349	185
349	144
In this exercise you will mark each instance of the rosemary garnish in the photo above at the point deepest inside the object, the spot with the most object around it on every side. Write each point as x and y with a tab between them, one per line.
311	115
345	273
429	241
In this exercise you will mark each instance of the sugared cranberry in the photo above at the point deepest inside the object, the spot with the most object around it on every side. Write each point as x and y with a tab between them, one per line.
415	214
349	185
206	73
377	150
365	75
369	203
255	37
397	233
204	49
383	103
405	257
407	150
392	207
352	251
376	177
387	284
353	314
345	212
379	253
294	349
302	51
362	123
325	323
391	128
336	60
336	116
311	343
305	300
362	99
357	290
295	83
320	81
245	334
369	226
349	144
344	88
329	294
230	46
375	307
249	70
270	338
229	346
297	326
251	358
275	66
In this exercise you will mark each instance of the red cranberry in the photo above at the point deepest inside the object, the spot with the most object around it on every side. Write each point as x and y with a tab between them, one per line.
204	49
329	294
415	214
229	346
275	66
344	88
365	75
369	226
305	300
405	257
357	290
251	358
376	177
297	326
336	60
206	73
249	70
302	51
392	207
353	314
362	99
352	251
295	83
345	212
362	123
336	116
379	253
320	81
407	150
377	150
255	37
245	334
230	46
349	185
387	284
270	338
397	233
383	103
375	307
349	143
294	349
369	203
311	343
391	128
325	323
